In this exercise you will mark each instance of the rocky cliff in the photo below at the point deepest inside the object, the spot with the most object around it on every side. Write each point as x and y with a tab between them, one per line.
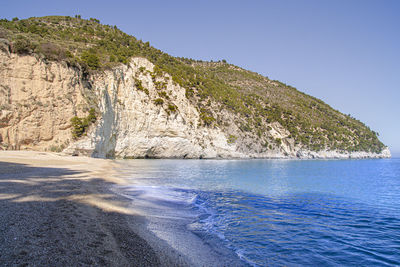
37	101
139	115
77	86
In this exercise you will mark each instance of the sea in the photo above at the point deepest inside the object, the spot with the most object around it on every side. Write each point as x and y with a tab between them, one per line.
275	212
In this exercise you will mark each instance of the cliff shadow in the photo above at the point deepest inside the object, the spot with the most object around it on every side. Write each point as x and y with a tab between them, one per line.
64	217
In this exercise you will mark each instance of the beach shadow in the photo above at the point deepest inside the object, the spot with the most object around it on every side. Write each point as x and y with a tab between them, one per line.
62	217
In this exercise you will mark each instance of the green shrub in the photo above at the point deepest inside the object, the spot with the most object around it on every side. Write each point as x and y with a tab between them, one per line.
160	85
95	20
232	139
163	94
90	58
140	87
80	125
112	58
159	101
207	118
23	45
92	116
189	92
172	108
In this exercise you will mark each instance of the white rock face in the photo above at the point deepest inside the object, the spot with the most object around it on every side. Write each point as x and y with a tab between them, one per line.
132	125
342	155
38	100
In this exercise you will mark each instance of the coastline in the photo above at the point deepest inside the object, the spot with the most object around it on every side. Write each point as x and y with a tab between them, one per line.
232	154
57	210
62	210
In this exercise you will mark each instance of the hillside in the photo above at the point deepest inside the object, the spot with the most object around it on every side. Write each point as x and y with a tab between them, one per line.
105	93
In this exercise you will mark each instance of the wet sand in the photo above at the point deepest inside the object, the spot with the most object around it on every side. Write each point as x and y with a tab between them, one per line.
59	211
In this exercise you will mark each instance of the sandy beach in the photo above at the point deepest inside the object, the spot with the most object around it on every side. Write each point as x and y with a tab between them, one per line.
59	211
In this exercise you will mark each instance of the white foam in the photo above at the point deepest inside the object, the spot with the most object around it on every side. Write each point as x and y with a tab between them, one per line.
170	213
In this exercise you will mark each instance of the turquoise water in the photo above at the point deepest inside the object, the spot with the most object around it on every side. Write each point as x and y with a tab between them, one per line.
281	212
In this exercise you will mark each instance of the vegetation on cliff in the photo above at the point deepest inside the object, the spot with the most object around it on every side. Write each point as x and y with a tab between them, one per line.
80	125
212	86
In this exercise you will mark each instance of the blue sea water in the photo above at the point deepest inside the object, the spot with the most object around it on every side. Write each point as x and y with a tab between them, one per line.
281	212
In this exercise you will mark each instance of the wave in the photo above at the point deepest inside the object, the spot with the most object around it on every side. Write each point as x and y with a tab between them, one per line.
303	229
183	219
268	213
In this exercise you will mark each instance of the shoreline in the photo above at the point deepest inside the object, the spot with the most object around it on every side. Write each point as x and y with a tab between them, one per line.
58	211
63	210
170	222
232	155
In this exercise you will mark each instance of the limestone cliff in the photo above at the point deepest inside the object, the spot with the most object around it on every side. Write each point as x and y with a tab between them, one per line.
140	113
133	125
37	101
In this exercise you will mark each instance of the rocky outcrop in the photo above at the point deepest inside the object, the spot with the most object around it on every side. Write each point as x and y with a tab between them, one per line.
141	114
133	125
342	155
37	101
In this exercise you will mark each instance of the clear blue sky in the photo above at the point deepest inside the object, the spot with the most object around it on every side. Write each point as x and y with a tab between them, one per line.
345	52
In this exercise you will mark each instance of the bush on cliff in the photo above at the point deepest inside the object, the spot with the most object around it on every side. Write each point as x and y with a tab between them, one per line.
80	125
90	58
23	45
